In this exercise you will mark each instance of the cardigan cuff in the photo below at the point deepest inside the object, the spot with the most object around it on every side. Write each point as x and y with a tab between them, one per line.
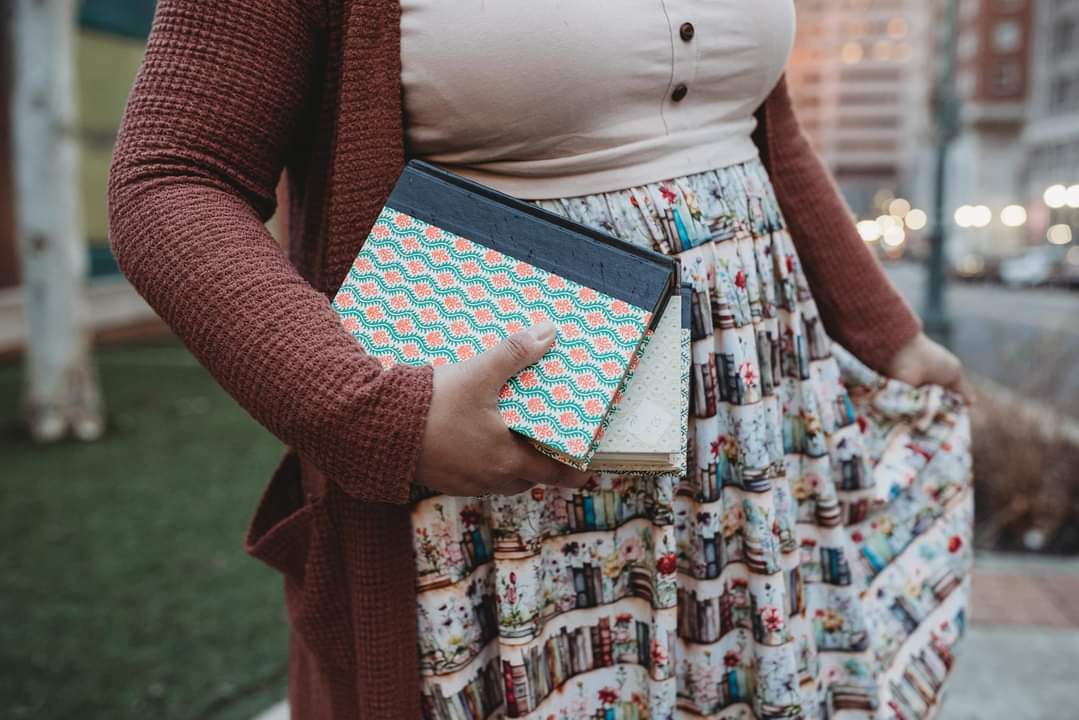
371	453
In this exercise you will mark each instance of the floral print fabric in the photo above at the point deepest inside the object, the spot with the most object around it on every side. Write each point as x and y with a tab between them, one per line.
813	561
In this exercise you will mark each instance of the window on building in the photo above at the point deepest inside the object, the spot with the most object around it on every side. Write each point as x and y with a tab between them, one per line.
870	145
868	98
965	83
1009	6
1007	36
969	8
869	122
1064	36
1005	78
1064	93
967	45
870	75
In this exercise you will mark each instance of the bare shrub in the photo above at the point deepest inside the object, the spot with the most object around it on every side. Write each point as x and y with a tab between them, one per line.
1026	469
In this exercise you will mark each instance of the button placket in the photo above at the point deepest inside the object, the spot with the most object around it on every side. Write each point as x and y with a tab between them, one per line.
685	54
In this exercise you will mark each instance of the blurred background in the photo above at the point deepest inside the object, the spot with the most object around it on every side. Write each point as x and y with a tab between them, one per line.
952	127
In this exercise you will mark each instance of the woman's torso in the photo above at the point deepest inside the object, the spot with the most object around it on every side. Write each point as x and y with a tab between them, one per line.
567	98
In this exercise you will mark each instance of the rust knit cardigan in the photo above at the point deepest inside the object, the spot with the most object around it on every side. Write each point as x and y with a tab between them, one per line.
231	93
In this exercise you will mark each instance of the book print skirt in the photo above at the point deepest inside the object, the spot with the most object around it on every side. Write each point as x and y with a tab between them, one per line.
814	560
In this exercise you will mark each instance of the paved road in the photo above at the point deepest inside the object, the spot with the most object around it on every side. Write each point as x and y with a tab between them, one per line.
1027	339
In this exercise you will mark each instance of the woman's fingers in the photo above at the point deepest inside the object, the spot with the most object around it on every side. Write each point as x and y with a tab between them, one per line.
536	467
467	448
494	367
966	389
949	373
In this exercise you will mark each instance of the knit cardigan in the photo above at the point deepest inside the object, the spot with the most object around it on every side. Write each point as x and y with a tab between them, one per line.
229	95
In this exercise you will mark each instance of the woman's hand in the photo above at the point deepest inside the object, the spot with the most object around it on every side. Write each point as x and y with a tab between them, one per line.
467	448
923	362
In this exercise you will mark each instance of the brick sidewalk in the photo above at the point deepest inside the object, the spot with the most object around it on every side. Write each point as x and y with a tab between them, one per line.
1014	590
1022	646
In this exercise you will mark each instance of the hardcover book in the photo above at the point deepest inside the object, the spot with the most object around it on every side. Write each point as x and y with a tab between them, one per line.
647	428
451	268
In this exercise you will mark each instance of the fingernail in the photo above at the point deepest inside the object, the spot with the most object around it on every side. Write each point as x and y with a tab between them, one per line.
542	332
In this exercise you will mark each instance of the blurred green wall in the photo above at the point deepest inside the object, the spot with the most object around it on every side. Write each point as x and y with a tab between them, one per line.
110	46
130	18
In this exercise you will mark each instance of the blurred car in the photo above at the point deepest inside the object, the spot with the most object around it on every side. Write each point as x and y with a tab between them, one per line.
1068	271
974	266
1034	267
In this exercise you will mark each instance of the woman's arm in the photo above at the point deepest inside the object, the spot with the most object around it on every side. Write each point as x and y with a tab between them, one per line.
202	144
858	304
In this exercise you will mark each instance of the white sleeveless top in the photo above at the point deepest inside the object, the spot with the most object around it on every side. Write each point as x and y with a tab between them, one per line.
557	98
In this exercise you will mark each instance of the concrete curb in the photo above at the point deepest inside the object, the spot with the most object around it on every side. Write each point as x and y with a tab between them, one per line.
1024	564
277	712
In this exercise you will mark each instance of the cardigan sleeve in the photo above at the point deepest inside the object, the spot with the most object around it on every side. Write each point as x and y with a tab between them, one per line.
204	139
860	307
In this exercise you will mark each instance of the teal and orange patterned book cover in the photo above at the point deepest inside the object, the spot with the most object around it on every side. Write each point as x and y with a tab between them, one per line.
419	292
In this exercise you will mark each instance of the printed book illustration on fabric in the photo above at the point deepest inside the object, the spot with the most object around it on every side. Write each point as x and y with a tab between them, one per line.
451	268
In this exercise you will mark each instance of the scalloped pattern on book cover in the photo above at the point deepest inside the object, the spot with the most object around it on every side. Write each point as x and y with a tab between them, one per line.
419	294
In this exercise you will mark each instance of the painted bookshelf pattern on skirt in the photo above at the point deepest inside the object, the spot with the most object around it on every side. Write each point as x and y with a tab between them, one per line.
418	294
813	562
730	597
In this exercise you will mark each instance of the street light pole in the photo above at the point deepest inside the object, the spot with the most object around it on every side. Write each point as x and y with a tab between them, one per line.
946	102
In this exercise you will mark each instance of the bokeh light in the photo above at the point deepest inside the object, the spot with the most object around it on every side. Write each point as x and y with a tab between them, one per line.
851	53
964	216
894	236
1013	215
1056	196
1060	234
899	207
916	219
1071	196
869	230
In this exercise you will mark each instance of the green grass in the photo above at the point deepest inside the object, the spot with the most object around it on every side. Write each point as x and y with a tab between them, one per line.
124	588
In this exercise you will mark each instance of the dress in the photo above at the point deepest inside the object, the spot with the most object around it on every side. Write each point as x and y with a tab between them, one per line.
813	562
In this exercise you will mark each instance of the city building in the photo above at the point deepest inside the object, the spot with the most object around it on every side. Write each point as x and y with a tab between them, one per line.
861	77
1050	139
986	159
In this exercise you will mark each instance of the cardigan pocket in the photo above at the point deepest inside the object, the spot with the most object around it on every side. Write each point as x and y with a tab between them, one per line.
280	531
293	533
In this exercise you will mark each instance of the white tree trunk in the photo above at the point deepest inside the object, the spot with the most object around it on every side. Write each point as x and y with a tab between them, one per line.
62	396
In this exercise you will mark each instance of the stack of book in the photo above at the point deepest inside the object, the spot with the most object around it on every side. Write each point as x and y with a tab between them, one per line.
532	674
451	268
647	429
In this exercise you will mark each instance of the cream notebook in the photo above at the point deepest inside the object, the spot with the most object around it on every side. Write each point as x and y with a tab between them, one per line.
647	429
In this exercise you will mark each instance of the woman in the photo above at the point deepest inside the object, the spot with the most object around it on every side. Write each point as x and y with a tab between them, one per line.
587	111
